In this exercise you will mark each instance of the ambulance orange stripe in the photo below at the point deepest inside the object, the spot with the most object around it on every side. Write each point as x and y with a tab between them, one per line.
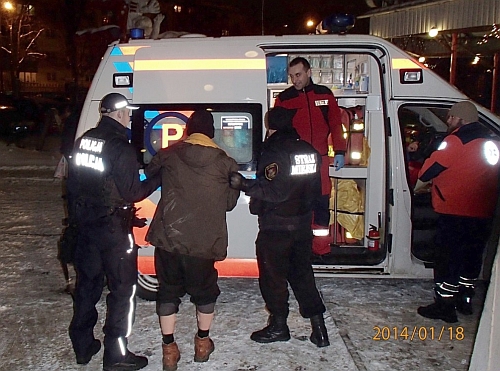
226	268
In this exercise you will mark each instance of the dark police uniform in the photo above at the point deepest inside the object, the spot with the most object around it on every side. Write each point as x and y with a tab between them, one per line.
288	181
103	184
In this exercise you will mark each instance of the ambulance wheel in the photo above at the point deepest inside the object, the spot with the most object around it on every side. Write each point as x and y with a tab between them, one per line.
147	285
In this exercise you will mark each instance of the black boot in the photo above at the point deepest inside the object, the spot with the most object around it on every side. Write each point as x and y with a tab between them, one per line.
276	330
442	308
83	359
319	335
115	360
464	300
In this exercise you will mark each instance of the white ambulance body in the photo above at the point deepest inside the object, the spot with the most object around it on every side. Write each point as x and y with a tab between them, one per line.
396	101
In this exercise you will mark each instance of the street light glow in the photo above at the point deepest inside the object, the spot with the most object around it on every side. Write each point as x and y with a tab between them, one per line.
310	23
8	5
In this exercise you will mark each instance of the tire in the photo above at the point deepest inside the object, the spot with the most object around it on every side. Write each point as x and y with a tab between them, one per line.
147	286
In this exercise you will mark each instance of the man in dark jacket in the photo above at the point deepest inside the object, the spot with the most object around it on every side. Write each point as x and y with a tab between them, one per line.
103	185
464	173
317	116
288	181
189	230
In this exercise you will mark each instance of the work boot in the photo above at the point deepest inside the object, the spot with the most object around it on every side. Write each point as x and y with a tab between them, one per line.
171	356
203	347
129	362
83	359
276	330
464	300
319	335
441	309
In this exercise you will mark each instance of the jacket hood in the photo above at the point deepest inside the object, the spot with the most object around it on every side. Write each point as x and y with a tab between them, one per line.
198	151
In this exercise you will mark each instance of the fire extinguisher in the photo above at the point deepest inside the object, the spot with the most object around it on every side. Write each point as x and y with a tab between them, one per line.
373	238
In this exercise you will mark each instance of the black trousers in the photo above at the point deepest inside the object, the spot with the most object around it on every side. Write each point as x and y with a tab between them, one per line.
104	250
460	242
285	257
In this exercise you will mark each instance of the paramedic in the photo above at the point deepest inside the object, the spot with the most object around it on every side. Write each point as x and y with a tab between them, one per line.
464	174
317	117
288	181
189	231
104	183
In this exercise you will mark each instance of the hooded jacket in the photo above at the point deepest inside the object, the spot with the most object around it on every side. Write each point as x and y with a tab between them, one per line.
195	195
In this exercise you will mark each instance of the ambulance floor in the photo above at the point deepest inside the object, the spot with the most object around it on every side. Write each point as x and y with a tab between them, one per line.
372	322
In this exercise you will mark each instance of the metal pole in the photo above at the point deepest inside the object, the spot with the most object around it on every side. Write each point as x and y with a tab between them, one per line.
494	87
453	58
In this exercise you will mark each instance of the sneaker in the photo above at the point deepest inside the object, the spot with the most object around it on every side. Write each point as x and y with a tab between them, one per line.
130	362
203	347
171	356
93	349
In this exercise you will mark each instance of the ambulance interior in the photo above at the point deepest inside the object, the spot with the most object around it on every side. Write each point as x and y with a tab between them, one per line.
357	204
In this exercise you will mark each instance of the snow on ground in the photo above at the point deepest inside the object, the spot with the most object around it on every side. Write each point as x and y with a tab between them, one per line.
35	312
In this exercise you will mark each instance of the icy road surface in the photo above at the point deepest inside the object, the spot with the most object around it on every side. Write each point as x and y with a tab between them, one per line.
35	312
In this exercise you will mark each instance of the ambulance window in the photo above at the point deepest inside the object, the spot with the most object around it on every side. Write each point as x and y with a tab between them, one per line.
238	129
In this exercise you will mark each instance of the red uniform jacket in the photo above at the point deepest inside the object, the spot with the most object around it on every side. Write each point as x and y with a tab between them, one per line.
317	116
464	173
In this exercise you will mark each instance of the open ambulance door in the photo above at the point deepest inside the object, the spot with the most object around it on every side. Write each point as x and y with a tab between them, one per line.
423	127
358	203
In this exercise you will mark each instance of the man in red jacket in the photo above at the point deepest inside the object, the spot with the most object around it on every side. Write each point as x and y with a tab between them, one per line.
317	116
464	173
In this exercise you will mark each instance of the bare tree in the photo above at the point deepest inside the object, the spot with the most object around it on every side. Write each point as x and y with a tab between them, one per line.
23	31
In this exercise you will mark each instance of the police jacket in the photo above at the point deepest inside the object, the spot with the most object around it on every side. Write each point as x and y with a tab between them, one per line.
464	173
104	172
191	215
317	116
287	183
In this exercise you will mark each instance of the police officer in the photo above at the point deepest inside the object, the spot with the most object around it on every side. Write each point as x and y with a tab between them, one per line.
288	181
103	185
464	173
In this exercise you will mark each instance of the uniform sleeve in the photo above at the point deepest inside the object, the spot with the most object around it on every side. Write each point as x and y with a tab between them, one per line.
441	159
335	123
126	174
273	186
154	167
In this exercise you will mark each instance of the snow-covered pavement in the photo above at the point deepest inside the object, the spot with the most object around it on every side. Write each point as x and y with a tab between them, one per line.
35	312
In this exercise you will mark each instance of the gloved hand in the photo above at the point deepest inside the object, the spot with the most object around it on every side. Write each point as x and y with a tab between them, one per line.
139	222
338	162
238	181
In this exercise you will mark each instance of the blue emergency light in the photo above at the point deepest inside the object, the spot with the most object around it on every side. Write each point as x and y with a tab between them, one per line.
137	33
338	23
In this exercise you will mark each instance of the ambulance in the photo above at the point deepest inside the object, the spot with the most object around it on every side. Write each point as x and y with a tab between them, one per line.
394	114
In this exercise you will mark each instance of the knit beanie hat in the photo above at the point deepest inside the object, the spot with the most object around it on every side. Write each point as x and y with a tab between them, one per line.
279	118
201	122
464	110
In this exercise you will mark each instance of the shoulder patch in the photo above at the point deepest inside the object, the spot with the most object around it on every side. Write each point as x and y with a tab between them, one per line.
271	171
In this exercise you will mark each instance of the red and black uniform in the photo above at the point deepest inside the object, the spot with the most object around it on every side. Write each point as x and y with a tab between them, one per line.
317	116
464	173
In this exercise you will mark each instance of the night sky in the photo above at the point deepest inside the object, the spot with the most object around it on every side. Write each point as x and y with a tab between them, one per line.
280	16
